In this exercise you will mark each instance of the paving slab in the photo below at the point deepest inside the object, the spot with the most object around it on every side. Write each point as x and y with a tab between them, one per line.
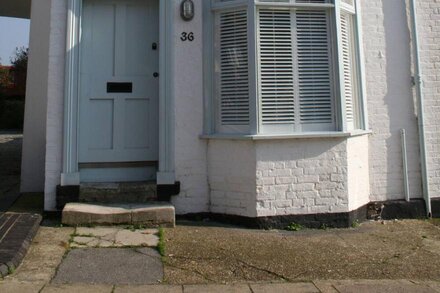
114	237
126	266
432	284
131	238
96	231
239	288
325	286
76	288
149	288
45	254
380	286
284	288
20	287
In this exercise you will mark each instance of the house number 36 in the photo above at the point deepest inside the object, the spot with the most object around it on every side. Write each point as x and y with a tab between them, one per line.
187	36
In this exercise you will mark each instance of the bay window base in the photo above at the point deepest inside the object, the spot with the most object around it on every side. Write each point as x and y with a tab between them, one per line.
276	177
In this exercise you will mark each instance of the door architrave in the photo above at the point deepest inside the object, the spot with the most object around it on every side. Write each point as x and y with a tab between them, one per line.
70	167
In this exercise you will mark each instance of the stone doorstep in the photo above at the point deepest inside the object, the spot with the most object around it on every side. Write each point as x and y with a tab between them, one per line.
152	215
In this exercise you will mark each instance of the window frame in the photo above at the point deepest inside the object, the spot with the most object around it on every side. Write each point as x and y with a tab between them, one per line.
211	8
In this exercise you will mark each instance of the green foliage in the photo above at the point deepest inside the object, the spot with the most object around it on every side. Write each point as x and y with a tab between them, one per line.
135	227
355	224
161	245
294	227
5	78
12	89
20	59
11	114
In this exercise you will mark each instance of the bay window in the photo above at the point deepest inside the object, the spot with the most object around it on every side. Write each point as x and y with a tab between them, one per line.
285	67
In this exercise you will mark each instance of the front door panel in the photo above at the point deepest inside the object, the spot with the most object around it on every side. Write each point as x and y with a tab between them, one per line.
118	88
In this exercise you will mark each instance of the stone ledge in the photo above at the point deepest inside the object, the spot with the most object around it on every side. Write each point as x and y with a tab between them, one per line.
151	215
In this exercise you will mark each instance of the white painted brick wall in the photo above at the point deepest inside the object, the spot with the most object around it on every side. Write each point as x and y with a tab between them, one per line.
232	180
297	176
358	172
429	34
390	102
190	151
54	133
301	176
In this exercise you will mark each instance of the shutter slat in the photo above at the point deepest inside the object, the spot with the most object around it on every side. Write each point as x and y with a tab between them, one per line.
234	69
315	95
276	67
295	85
347	66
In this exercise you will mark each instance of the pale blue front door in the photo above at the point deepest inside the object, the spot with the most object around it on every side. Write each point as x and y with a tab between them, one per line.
119	90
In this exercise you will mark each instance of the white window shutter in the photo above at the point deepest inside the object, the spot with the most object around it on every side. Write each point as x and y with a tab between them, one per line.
276	67
314	70
295	71
234	73
348	70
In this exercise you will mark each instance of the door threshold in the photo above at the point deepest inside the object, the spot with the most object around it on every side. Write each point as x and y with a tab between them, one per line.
109	165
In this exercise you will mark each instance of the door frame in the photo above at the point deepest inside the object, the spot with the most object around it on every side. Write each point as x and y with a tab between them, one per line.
70	168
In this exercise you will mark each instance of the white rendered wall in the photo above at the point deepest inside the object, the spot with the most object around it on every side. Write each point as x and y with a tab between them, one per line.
429	35
386	38
190	151
232	177
55	99
34	139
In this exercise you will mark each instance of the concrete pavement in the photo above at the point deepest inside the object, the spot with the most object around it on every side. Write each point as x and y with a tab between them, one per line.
49	254
134	266
348	286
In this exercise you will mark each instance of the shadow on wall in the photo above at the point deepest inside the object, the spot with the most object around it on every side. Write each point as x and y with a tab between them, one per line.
399	101
298	150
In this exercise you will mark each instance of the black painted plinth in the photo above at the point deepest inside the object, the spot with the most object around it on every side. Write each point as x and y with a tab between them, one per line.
66	194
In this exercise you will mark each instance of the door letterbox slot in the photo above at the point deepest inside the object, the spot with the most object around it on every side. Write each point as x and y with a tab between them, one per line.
119	87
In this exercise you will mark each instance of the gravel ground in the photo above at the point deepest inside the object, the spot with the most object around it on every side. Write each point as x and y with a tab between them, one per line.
198	254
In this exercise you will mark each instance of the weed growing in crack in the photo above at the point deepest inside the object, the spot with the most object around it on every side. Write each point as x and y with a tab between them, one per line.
135	227
294	227
161	245
355	224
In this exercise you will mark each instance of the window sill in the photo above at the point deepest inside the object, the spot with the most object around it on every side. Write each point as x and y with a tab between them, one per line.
304	135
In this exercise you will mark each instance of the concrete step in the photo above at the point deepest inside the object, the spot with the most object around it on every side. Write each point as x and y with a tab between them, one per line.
127	192
150	215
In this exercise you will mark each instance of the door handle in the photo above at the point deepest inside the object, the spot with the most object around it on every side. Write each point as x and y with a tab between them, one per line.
156	74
